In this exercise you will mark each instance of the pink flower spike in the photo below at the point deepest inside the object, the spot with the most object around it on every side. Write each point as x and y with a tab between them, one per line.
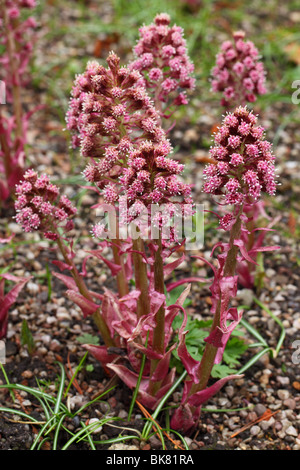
247	167
161	57
238	74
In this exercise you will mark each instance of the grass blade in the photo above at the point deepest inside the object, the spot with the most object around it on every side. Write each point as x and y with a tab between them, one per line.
19	413
60	390
277	320
254	359
57	429
254	332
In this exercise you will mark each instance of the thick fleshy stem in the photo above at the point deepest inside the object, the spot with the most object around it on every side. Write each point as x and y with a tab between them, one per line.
210	352
121	277
158	344
141	277
118	259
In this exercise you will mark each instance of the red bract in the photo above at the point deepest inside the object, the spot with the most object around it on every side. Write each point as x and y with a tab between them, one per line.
9	298
161	57
238	73
253	237
137	335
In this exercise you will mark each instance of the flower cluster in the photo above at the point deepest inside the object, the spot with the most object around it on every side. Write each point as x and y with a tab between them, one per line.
243	165
19	33
238	73
107	106
115	123
152	177
161	56
39	206
108	115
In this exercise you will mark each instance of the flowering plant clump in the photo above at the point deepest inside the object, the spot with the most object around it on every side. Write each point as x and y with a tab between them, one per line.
238	73
115	121
17	39
161	57
116	126
249	164
241	77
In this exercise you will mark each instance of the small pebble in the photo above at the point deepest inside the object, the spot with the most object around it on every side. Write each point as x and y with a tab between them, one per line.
291	431
233	422
254	430
96	429
155	442
283	380
123	414
27	374
55	345
26	403
229	391
252	416
267	424
283	394
290	403
123	447
32	288
260	409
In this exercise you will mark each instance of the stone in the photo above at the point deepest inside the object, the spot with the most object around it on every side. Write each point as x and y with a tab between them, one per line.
254	430
96	429
229	391
123	414
283	394
123	447
291	431
233	423
290	403
267	424
296	324
246	296
260	409
283	380
32	288
27	374
55	345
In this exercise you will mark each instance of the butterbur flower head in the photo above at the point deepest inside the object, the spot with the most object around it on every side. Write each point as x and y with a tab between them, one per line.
40	207
162	59
243	164
238	73
153	177
118	126
110	113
